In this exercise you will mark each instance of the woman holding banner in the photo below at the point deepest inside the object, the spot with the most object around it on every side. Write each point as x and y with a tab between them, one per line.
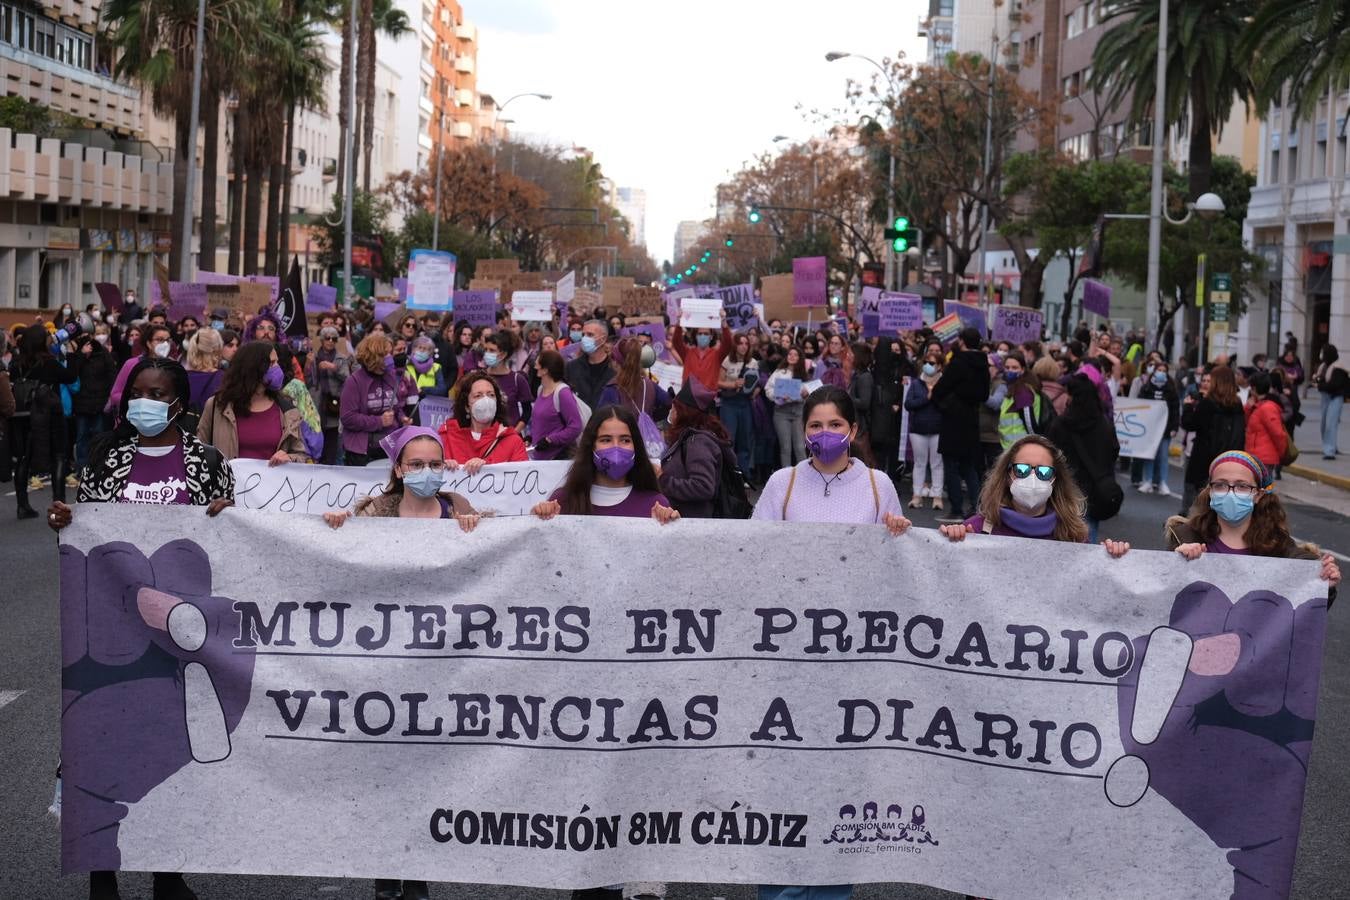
369	407
250	417
1237	512
611	474
477	434
150	459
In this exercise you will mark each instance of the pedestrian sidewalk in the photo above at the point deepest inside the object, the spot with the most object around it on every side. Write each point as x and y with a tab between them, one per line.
1308	437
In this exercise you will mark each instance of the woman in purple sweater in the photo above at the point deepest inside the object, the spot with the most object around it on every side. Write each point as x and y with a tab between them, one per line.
611	474
556	422
371	405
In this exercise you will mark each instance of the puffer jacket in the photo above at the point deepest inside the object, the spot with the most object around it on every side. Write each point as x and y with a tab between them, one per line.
1266	438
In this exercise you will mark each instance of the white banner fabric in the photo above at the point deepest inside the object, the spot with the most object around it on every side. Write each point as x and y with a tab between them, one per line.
1140	425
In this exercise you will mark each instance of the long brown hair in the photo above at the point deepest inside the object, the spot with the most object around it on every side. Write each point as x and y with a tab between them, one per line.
1267	533
1066	500
575	492
629	378
1223	387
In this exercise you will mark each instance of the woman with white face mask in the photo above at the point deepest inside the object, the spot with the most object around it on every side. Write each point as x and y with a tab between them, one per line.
478	435
1030	493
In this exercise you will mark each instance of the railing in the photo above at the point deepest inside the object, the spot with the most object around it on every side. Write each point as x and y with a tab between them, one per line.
101	140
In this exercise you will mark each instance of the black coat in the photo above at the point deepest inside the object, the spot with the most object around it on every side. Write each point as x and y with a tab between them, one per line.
1217	429
1089	443
959	394
97	372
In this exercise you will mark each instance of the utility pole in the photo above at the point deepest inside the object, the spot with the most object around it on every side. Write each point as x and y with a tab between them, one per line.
190	189
1155	207
348	201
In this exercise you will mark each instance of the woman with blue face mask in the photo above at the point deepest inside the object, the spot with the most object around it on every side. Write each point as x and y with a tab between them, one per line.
250	417
1238	513
1158	385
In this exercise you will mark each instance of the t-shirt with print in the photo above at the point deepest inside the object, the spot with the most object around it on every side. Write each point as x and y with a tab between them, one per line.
158	475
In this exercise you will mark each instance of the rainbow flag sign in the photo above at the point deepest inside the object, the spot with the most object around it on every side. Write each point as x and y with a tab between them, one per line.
947	328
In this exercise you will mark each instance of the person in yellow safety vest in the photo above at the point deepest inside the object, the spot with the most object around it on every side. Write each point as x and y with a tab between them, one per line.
1020	410
424	371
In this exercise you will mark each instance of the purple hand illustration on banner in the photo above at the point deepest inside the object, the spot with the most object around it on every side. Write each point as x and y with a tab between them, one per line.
148	665
1233	739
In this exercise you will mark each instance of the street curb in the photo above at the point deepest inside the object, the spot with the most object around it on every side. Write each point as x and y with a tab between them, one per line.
1340	481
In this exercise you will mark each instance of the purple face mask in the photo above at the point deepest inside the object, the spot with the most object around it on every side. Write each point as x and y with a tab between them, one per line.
827	446
389	362
614	462
274	378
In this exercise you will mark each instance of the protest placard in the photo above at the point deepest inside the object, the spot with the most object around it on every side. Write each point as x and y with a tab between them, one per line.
1096	297
641	300
1017	324
496	269
611	290
585	302
564	291
739	302
320	297
673	300
243	300
431	280
788	390
987	735
668	375
110	295
947	328
809	287
272	282
900	312
776	292
476	307
971	316
655	330
701	312
519	282
532	306
1140	426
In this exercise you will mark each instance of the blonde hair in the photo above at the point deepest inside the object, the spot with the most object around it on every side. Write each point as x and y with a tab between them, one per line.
1066	500
1046	369
372	350
203	350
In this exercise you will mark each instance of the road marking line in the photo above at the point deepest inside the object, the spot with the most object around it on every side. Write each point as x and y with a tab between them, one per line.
7	697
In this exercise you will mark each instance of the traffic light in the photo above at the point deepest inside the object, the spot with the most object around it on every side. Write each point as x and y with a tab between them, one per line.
729	242
900	234
754	215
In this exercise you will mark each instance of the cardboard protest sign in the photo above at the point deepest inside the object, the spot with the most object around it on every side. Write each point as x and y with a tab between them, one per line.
983	734
739	302
641	301
776	291
496	269
272	282
320	296
243	300
565	290
611	290
809	287
1140	426
522	281
1017	324
701	312
585	302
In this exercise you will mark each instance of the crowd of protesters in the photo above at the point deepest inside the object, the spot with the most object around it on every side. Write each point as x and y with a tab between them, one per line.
827	426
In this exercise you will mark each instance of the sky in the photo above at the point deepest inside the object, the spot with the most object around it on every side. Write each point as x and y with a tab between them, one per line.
674	97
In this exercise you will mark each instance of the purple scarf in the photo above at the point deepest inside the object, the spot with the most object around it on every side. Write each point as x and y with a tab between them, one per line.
1029	526
422	368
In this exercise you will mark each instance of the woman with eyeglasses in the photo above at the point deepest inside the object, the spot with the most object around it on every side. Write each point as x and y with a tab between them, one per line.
326	372
1238	513
1030	493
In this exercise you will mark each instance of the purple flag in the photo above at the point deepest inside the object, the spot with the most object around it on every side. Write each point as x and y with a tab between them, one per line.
1097	297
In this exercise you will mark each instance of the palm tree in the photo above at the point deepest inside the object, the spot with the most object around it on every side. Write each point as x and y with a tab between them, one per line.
1302	43
302	86
1206	70
392	22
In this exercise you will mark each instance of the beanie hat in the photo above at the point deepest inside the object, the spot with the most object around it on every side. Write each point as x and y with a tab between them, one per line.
1258	469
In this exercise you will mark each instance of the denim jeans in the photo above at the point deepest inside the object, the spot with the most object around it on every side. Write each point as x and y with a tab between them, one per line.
787	422
739	423
1331	422
1155	469
87	426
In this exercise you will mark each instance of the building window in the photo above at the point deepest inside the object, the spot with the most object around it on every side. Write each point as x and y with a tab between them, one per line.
946	8
1275	167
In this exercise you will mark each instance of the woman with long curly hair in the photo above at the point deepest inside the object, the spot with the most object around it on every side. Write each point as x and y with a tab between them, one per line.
477	434
1237	512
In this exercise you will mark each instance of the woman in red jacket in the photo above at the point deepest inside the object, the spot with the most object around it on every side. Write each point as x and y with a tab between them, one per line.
478	434
1266	438
703	358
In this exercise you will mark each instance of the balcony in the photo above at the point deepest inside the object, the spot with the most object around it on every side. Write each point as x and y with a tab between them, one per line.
49	170
462	129
464	97
464	64
329	168
70	89
467	32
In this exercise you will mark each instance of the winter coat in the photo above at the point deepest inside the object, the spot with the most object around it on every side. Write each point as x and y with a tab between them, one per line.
385	506
461	446
691	471
959	394
1266	438
887	395
924	416
219	428
209	476
1090	445
1217	428
1057	395
96	372
588	379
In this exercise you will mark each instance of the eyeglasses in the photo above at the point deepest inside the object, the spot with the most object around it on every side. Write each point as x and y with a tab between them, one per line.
1024	470
418	465
1224	488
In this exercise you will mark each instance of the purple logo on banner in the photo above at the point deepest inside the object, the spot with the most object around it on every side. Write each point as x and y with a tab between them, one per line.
1097	297
808	281
320	296
739	302
476	307
971	317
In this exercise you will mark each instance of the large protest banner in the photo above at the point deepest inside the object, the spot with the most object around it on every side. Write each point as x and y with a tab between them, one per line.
1140	426
504	489
884	710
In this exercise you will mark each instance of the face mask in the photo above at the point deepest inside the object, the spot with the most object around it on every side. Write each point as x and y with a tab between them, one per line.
274	377
491	359
102	339
149	417
1160	378
400	360
1232	508
162	349
96	315
574	336
648	357
588	344
1010	377
484	409
131	298
217	325
1030	493
425	483
389	363
421	356
929	369
704	341
827	446
1001	354
614	462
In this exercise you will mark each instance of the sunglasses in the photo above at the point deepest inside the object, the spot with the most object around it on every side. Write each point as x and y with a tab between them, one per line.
1024	470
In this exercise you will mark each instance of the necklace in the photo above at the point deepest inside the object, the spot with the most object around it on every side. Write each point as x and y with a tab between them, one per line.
829	480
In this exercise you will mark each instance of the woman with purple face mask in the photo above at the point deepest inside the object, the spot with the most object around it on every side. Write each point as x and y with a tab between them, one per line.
611	474
249	417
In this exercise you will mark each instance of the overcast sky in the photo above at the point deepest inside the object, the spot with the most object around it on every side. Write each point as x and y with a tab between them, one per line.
671	97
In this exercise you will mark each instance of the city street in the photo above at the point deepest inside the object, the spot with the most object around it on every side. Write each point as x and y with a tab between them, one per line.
29	709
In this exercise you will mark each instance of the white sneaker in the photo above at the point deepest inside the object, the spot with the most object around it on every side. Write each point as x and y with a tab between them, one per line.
1145	488
1164	490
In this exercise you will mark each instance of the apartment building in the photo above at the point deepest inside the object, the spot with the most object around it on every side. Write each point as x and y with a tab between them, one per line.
631	203
89	203
1297	222
964	26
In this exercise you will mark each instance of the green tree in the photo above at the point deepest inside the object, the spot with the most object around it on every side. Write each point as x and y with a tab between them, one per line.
1304	44
300	74
1207	71
370	216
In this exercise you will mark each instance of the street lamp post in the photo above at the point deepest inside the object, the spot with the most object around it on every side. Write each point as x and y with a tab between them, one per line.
890	153
988	161
1155	206
436	208
189	189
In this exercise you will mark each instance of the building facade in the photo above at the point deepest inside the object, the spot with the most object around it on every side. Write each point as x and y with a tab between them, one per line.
631	203
687	235
964	26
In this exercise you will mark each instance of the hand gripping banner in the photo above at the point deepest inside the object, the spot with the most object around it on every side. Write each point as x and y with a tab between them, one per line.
589	701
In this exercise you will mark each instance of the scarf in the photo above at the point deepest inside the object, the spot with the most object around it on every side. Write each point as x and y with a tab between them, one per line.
1030	526
422	368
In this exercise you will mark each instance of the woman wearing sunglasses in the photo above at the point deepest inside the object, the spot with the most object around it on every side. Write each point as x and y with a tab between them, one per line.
1029	493
1238	513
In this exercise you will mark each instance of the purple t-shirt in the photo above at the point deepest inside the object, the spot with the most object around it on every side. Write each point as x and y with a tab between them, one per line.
637	505
157	479
1218	546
